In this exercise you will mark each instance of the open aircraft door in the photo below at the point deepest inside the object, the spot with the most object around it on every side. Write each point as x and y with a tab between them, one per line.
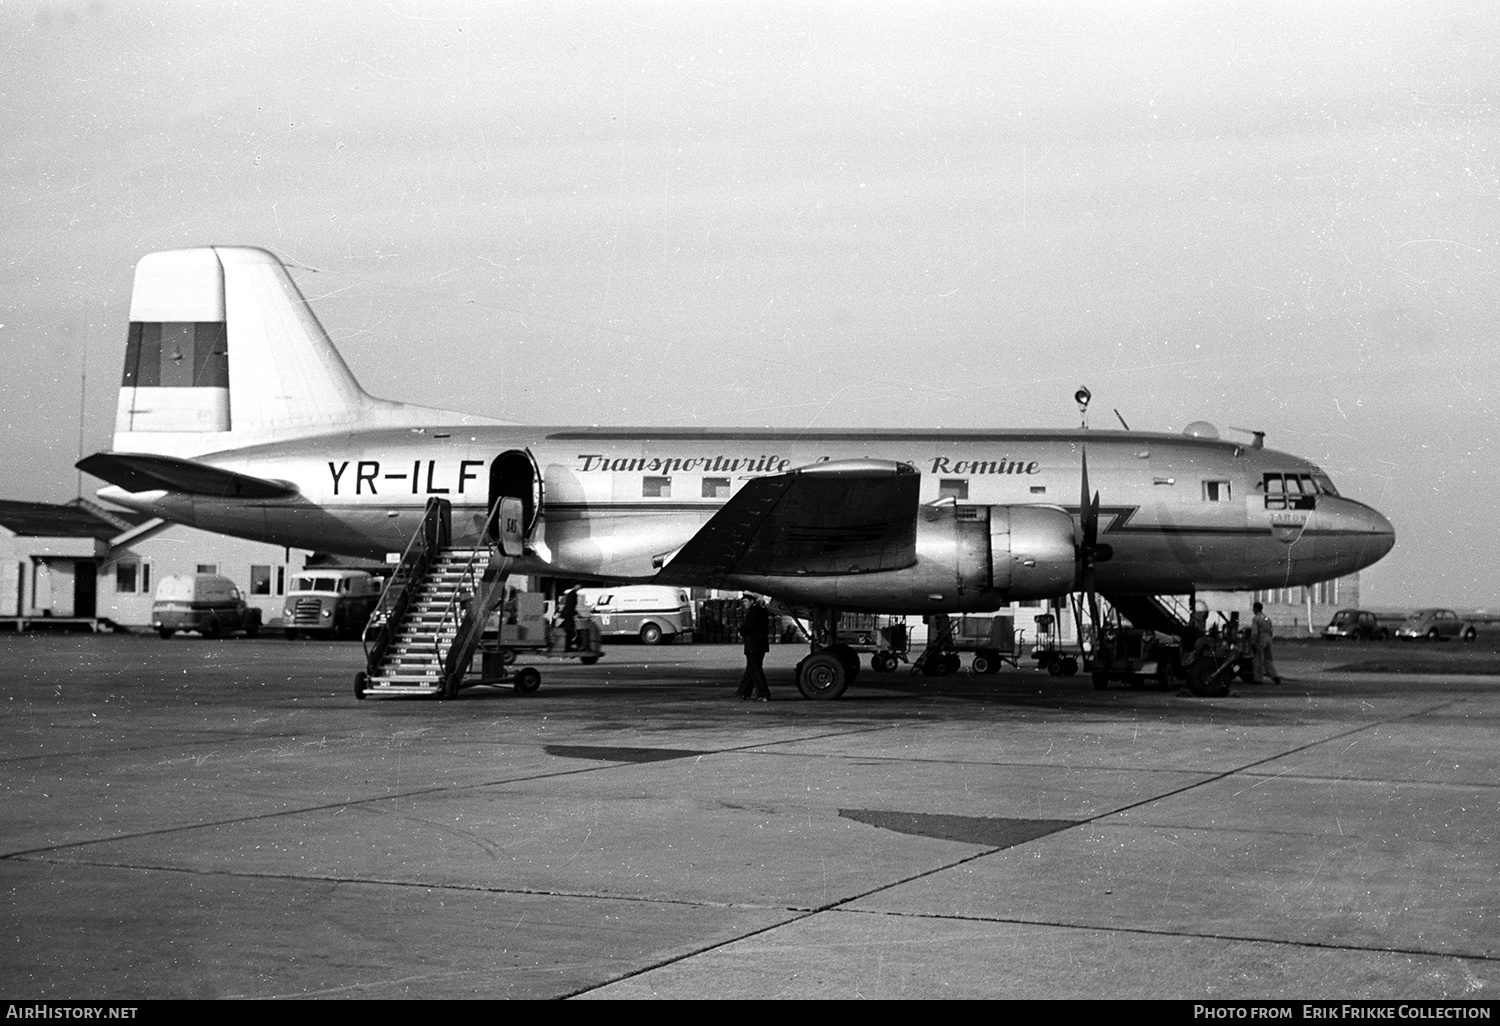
515	473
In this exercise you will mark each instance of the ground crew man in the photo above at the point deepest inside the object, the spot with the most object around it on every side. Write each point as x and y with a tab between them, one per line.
755	628
1260	646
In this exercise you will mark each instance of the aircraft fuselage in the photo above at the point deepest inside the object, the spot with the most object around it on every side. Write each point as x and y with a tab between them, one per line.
1177	512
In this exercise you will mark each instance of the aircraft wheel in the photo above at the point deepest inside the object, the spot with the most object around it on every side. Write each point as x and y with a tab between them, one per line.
821	676
1205	682
165	632
528	679
650	634
1101	680
849	658
359	684
1070	667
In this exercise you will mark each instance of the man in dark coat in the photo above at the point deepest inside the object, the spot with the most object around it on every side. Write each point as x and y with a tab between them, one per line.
755	628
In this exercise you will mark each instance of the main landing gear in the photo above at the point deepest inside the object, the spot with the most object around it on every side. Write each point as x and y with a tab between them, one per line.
831	667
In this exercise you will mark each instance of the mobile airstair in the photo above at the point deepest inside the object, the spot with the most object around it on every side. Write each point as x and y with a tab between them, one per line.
423	633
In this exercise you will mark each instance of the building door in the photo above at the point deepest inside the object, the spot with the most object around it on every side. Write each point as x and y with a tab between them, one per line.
85	587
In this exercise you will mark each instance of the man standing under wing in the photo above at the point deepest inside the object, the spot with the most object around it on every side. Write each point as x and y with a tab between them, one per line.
755	628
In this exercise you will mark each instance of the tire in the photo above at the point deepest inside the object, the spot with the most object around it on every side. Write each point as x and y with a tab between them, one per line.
650	634
983	663
359	685
1244	669
507	656
252	628
1384	635
290	635
528	679
1204	682
588	660
849	658
821	677
1433	635
1470	634
883	662
211	630
165	632
1101	679
1069	667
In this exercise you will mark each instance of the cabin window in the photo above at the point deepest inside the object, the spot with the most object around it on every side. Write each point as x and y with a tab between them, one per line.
208	568
954	488
716	487
1038	489
260	580
1215	491
656	487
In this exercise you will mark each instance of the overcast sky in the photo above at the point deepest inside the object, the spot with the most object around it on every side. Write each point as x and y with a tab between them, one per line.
1278	216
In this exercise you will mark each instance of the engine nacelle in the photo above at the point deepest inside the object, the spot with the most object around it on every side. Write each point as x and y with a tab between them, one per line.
969	559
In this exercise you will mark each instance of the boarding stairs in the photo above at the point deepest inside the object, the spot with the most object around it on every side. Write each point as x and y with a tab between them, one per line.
424	631
1167	614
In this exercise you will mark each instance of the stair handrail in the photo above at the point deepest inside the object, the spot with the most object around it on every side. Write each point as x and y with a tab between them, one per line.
432	533
485	546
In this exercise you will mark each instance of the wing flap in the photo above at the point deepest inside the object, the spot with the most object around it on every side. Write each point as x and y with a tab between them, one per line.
143	472
845	517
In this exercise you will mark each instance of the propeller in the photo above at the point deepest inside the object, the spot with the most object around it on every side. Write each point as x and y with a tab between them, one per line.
1088	548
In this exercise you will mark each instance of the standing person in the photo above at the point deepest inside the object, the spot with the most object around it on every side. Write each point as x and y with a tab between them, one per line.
1260	646
755	628
569	615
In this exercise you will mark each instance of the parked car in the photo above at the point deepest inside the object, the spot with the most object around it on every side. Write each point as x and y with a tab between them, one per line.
1357	625
329	602
1436	625
206	603
652	612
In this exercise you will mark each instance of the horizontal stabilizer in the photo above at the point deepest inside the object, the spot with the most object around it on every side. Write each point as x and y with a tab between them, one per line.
846	517
141	472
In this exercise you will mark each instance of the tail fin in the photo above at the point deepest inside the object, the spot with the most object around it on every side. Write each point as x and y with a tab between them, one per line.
225	352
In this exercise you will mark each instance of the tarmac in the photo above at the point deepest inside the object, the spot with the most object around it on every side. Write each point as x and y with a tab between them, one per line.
222	819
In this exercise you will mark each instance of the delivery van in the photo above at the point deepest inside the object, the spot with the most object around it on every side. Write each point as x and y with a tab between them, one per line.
329	603
654	613
206	603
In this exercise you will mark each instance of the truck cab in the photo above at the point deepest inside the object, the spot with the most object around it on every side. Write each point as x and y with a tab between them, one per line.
329	603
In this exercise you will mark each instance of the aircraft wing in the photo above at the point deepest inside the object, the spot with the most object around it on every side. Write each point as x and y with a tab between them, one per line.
141	472
845	517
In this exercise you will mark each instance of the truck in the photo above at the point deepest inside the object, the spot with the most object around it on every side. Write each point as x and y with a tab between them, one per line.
329	603
654	613
207	604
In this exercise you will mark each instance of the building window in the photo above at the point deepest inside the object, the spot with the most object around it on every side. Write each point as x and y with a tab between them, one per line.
208	568
260	580
1215	491
127	573
657	487
956	488
716	487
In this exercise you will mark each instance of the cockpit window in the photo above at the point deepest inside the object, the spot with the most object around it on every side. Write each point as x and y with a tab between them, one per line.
1289	491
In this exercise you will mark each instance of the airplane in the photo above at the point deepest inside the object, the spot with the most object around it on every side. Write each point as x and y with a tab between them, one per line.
237	415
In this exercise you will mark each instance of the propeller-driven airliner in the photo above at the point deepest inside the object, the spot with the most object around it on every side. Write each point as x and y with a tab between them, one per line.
238	415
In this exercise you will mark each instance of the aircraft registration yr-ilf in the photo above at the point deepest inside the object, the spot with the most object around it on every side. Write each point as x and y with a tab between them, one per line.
237	415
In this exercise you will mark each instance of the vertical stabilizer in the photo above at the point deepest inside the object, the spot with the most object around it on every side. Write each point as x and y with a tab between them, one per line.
224	352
